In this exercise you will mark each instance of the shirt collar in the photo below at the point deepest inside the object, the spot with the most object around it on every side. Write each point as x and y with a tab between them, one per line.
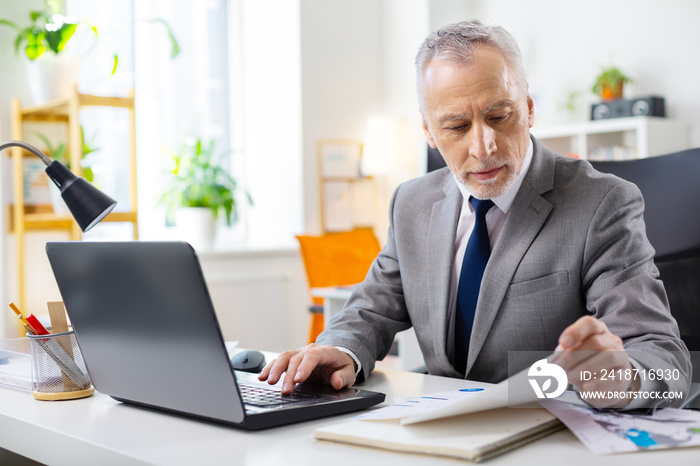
505	201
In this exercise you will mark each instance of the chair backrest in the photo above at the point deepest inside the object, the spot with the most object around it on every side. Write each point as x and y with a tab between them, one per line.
337	259
681	277
670	185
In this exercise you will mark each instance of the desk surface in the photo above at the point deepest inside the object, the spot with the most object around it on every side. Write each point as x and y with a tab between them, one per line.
99	430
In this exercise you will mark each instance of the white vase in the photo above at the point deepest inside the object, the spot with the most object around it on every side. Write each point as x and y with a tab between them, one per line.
197	226
52	76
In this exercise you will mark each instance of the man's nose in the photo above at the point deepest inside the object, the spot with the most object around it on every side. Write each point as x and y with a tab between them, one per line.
483	141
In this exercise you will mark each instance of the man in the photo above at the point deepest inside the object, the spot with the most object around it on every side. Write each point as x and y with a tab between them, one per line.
562	248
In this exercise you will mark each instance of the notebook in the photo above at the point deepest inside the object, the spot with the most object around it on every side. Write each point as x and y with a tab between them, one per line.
149	336
475	423
473	437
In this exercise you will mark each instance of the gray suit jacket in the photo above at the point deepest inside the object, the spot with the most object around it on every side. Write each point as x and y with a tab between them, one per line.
573	244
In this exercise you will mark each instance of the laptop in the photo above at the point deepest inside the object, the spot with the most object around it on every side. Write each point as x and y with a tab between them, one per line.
149	336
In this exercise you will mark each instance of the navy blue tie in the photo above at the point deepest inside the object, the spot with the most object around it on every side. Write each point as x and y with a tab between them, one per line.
475	258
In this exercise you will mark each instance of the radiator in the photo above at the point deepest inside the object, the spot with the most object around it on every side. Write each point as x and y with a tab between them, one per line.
251	310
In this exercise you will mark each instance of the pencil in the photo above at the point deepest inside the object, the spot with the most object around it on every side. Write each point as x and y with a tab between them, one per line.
19	314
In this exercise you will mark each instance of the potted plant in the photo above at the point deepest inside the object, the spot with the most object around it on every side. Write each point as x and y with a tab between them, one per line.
609	83
44	40
199	190
59	152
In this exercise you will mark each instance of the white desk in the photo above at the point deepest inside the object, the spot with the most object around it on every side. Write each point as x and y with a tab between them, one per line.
334	298
99	430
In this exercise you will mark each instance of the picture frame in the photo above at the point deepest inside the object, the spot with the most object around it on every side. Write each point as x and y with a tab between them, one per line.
339	158
337	206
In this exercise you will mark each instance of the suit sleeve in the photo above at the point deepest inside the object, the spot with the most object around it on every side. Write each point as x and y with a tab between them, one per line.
623	289
376	310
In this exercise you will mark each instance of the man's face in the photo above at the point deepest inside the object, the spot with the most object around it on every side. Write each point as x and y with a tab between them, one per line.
479	118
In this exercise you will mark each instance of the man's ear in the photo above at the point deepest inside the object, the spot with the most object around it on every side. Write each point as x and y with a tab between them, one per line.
428	136
530	110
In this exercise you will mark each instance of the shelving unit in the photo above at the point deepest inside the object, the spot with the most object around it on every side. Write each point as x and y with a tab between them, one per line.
343	193
66	112
644	136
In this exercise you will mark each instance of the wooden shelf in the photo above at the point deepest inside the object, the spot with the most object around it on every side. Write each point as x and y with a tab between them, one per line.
65	112
51	221
59	110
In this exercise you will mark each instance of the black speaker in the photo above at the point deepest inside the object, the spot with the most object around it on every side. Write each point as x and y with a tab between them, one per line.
620	108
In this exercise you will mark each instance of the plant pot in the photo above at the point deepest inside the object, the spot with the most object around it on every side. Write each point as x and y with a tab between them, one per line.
611	93
197	226
52	77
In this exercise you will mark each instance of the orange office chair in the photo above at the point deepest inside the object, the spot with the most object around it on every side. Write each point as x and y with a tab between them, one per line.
335	259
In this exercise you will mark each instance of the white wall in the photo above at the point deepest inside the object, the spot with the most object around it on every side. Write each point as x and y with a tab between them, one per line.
342	80
277	318
564	44
357	60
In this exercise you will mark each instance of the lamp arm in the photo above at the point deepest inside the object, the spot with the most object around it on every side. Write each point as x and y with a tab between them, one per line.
27	147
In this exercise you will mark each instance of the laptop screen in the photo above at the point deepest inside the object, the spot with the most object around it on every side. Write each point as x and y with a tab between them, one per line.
146	325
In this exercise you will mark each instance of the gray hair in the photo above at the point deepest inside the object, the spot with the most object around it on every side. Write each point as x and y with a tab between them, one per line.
457	42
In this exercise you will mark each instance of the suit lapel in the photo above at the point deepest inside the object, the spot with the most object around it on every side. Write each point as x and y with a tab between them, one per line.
525	219
441	250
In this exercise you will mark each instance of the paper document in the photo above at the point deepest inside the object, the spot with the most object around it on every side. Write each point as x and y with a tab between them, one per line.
407	407
513	391
605	432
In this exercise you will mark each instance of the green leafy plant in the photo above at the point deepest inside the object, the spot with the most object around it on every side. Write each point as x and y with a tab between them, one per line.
198	180
50	31
608	84
59	152
43	33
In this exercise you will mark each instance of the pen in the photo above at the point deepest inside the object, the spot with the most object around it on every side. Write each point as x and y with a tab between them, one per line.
39	329
30	321
29	329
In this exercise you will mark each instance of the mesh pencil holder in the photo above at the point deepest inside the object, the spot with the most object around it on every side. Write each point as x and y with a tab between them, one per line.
59	369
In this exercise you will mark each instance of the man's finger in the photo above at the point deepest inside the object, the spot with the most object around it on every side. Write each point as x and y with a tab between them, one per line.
266	370
577	333
344	377
279	366
289	377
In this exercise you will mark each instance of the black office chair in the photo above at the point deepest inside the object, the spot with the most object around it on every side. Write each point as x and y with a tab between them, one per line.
670	185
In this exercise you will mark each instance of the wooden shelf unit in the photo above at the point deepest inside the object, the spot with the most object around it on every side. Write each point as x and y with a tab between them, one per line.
62	111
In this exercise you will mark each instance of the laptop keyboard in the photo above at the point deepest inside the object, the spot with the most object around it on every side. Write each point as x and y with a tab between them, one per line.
260	396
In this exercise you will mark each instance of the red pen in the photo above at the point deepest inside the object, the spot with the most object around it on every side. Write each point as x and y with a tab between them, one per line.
36	325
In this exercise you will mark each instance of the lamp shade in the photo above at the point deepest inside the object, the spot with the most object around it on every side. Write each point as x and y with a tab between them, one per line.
88	204
389	145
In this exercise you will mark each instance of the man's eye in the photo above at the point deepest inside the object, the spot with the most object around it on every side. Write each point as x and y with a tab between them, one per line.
458	127
497	118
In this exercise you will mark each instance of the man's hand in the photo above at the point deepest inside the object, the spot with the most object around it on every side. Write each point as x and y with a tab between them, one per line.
312	363
588	345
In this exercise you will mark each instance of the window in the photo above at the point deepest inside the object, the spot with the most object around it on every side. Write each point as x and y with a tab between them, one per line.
237	80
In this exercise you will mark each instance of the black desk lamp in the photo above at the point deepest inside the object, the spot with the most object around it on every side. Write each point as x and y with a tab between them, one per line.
87	204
